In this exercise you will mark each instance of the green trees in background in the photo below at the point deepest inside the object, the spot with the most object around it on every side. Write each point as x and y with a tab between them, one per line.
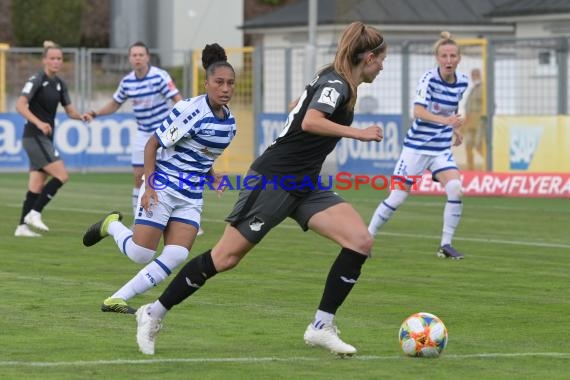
57	20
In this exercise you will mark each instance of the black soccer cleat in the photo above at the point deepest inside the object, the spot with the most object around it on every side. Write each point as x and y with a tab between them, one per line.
96	232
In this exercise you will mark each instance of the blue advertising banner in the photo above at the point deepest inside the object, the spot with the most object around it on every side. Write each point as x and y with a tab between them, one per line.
352	156
104	143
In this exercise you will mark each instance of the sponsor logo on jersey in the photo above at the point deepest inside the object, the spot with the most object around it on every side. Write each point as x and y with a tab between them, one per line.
27	87
329	96
45	83
172	133
421	94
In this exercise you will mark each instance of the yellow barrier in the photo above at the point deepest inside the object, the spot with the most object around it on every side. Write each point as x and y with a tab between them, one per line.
531	144
3	49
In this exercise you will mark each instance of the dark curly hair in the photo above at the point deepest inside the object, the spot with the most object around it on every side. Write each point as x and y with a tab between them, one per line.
214	56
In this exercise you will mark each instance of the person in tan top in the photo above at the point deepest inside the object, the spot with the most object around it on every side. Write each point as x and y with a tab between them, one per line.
475	121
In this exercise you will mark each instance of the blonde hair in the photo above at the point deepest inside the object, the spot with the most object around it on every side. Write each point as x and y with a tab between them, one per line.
356	40
445	38
50	45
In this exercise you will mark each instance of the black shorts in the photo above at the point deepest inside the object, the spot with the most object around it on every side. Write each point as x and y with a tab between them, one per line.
40	150
257	211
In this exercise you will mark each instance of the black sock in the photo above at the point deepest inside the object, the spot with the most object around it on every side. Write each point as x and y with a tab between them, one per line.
28	204
190	278
343	275
47	194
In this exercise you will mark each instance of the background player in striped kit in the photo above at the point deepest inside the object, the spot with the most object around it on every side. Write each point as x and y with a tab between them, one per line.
149	88
427	144
194	134
38	103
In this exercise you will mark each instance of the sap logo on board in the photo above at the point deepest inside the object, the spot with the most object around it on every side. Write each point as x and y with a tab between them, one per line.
523	142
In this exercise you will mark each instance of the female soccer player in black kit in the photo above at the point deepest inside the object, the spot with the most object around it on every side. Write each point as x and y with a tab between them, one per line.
38	103
322	115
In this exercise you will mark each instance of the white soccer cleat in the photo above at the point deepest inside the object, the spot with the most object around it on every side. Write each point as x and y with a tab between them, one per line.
327	337
24	231
200	232
147	328
34	219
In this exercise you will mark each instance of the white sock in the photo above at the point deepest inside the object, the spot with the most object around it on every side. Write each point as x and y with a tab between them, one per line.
124	239
322	318
157	310
154	273
116	228
452	211
451	217
134	200
385	210
145	279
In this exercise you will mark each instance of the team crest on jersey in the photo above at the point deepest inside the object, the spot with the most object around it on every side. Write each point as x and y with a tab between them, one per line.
329	96
58	88
256	224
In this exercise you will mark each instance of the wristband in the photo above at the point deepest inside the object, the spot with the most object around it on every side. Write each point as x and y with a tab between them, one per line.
93	114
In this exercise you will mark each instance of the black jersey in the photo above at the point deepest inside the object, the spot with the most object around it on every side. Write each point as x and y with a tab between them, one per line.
44	95
298	155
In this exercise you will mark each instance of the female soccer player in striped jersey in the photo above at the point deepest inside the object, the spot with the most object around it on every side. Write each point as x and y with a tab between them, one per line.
427	144
149	88
178	157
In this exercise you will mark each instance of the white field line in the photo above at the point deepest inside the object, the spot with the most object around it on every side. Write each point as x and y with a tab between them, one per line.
397	234
555	355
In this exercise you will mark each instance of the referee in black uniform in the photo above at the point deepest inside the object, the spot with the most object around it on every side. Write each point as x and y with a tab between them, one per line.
288	186
38	103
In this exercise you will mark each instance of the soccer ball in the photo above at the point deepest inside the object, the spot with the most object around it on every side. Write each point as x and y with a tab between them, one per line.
424	335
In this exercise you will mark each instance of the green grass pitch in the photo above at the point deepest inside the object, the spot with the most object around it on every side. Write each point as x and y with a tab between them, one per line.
506	306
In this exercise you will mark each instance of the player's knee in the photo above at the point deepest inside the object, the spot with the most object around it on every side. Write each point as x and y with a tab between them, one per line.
63	178
173	255
396	198
362	242
225	262
140	255
454	190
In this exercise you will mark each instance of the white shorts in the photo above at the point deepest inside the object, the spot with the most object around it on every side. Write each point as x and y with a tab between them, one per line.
137	153
412	163
169	208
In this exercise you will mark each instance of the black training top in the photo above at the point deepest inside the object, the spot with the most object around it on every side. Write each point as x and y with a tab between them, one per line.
44	94
298	154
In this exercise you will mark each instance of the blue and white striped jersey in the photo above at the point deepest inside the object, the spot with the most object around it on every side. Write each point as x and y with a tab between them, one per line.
440	98
149	96
192	137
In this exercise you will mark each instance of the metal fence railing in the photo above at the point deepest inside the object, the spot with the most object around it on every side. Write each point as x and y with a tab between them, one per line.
521	76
